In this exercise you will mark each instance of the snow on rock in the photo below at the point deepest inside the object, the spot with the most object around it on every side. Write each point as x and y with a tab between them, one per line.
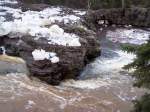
54	59
38	24
132	36
56	29
5	28
59	37
51	11
80	12
42	55
53	14
54	33
2	19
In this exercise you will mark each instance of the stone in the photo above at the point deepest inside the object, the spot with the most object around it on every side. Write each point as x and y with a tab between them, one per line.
72	59
138	17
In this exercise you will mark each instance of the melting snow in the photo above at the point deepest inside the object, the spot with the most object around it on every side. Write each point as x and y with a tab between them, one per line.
38	24
80	12
42	54
59	37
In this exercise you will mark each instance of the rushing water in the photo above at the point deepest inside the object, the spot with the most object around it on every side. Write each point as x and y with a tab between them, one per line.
103	86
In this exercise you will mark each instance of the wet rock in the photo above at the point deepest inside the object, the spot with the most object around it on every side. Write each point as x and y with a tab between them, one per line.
90	40
12	66
34	7
1	51
139	17
71	59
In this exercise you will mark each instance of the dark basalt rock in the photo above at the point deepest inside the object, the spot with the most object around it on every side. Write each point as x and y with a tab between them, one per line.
139	17
1	51
72	59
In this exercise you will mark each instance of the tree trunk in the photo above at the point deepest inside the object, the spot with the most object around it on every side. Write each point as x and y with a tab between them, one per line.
123	3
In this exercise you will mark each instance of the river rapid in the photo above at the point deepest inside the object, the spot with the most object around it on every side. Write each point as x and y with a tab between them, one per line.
103	86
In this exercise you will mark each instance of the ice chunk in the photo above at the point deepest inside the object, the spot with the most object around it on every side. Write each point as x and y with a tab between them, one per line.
54	59
6	28
59	37
40	54
80	12
56	29
51	11
2	19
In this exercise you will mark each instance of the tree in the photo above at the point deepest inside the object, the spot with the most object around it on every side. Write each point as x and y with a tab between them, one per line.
89	5
143	105
141	64
123	3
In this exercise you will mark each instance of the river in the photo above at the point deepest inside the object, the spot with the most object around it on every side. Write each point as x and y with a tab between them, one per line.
103	86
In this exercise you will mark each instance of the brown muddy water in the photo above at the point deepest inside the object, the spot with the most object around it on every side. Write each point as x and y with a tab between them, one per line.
19	94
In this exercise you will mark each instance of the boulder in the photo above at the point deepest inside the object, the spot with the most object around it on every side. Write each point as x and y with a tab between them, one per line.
72	59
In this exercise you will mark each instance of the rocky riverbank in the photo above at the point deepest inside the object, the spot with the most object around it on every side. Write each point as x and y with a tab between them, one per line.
138	17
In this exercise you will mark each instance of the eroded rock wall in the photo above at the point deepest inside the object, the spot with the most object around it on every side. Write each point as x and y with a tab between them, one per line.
139	17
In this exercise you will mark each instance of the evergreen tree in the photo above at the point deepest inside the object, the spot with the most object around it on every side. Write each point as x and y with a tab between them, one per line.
141	64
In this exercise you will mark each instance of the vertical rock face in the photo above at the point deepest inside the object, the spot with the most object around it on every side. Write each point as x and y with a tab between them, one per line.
72	59
130	16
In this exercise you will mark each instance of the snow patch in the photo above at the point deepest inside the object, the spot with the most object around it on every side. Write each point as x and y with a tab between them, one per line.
59	37
42	55
38	24
80	12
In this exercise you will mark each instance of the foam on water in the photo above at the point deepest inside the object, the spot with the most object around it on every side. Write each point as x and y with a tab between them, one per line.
132	36
106	70
18	84
8	2
115	64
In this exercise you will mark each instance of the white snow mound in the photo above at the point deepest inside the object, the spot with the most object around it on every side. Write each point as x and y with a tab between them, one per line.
40	54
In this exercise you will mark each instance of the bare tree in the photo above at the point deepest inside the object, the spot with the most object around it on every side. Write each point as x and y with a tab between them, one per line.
123	3
89	5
